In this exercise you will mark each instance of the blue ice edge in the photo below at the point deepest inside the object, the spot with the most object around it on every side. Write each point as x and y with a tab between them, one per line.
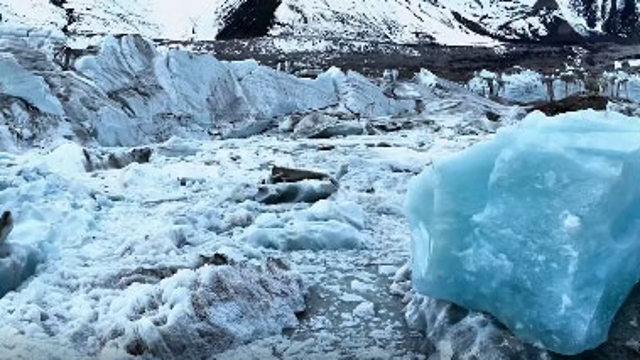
539	227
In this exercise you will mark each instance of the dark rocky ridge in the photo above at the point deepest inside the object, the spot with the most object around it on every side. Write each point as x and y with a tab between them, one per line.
454	63
252	18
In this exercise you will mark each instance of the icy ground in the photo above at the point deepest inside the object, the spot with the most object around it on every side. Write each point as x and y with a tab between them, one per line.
112	239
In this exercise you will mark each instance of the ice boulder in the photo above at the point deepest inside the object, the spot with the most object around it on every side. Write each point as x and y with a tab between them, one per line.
539	227
17	263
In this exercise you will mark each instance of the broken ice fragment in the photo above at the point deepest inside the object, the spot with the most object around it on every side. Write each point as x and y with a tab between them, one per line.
17	263
539	227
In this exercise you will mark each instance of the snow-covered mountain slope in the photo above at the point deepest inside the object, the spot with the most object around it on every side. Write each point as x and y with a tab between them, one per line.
456	22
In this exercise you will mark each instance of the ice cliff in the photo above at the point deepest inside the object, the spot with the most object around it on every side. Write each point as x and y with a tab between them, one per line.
127	92
538	227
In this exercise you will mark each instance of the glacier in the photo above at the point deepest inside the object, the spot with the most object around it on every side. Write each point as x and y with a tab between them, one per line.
130	92
538	227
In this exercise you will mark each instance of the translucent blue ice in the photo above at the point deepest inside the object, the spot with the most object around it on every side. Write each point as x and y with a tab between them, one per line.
17	263
539	227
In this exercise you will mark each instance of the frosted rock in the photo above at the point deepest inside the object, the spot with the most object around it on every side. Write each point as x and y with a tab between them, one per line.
164	313
308	191
538	227
102	160
321	126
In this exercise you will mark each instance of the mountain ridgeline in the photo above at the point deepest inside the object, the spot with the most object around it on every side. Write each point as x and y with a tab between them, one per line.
546	21
447	22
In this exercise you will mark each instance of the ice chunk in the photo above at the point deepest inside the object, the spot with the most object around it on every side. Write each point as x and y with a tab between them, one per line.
66	159
18	82
538	227
17	263
197	313
328	235
361	96
327	225
346	212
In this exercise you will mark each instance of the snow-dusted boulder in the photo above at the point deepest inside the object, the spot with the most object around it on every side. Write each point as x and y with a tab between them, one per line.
537	227
196	313
308	191
320	126
118	159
